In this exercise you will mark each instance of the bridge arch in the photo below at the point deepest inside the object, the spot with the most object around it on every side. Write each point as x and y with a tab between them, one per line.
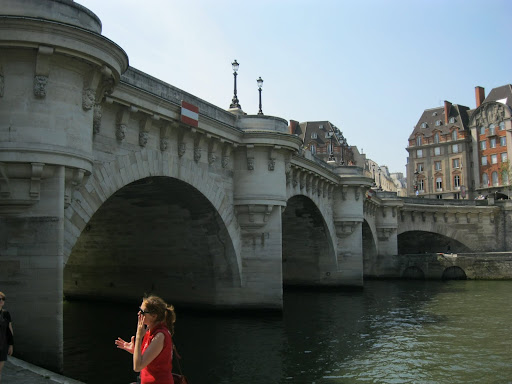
308	243
414	242
176	212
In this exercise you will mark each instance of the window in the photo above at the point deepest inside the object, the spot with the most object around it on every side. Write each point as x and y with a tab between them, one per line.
454	135
483	145
482	130
419	153
452	120
421	185
504	178
455	148
503	141
494	159
437	151
439	184
438	123
456	196
420	167
418	140
456	181
495	181
485	180
437	165
484	160
313	135
313	149
436	138
423	125
439	197
492	129
492	143
502	126
455	163
504	157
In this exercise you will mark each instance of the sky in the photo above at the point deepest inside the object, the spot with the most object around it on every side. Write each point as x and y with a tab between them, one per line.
370	67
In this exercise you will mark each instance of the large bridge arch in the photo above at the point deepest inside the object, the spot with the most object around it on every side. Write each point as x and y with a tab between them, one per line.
176	206
417	241
308	243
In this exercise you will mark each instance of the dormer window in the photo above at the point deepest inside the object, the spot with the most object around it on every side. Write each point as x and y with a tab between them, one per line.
452	120
418	140
321	126
434	114
454	135
423	125
438	123
436	138
314	135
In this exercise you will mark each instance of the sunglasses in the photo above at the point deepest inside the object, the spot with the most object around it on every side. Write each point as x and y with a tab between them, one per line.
2	298
143	311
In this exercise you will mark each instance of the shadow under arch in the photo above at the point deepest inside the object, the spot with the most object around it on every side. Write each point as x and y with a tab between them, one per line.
413	273
369	250
454	273
308	252
415	242
155	235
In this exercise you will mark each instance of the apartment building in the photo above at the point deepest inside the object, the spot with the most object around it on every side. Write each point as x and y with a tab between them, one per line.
458	153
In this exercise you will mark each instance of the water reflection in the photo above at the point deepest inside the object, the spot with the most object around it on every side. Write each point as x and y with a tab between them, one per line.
390	332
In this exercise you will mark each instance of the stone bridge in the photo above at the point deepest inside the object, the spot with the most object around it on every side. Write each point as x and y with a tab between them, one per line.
114	184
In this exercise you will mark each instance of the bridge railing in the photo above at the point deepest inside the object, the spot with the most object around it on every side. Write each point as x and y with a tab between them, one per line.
454	202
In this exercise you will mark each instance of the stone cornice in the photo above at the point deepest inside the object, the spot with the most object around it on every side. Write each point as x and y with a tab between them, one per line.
302	162
65	39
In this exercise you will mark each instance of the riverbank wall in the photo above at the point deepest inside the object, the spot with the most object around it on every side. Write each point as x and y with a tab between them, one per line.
445	266
20	372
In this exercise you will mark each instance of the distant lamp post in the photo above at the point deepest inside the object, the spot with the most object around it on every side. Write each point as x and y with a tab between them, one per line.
416	186
380	185
260	84
234	102
330	135
374	181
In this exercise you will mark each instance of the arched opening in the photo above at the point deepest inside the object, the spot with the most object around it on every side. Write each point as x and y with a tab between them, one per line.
156	235
413	273
307	249
416	242
454	273
369	251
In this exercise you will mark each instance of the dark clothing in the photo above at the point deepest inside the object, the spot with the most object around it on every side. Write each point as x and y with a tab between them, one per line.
6	337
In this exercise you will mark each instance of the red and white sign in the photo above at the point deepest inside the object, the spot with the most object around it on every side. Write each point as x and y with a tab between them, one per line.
189	114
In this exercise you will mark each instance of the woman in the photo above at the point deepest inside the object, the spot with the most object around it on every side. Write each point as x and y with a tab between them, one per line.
6	334
152	345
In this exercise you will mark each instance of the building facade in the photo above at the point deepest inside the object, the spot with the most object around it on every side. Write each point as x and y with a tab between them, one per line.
459	153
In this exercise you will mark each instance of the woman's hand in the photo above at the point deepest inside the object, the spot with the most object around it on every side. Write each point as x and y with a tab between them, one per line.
141	328
127	346
10	350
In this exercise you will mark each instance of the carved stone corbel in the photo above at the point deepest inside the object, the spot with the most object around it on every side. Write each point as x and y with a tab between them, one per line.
345	228
145	125
357	193
344	189
330	190
73	181
226	154
272	157
213	144
314	185
96	84
250	157
182	145
288	171
35	179
165	133
253	216
309	177
198	138
383	234
303	180
123	116
42	71
295	177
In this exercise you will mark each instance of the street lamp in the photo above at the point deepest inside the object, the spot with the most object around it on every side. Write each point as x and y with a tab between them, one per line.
331	151
260	84
380	185
374	182
234	102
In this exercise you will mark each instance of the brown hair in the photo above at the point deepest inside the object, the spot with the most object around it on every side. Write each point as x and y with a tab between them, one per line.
2	295
162	310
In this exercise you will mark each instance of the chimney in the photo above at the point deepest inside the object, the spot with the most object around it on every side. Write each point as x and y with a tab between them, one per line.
479	96
447	107
293	127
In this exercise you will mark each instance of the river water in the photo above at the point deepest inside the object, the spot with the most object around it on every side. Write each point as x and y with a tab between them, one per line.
389	332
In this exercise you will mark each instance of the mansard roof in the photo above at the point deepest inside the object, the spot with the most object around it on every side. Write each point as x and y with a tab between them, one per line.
501	94
318	127
434	120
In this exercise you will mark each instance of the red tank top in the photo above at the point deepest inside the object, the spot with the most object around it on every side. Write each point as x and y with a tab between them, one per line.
159	371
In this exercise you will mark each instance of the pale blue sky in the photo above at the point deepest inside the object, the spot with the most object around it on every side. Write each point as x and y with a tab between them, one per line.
370	67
